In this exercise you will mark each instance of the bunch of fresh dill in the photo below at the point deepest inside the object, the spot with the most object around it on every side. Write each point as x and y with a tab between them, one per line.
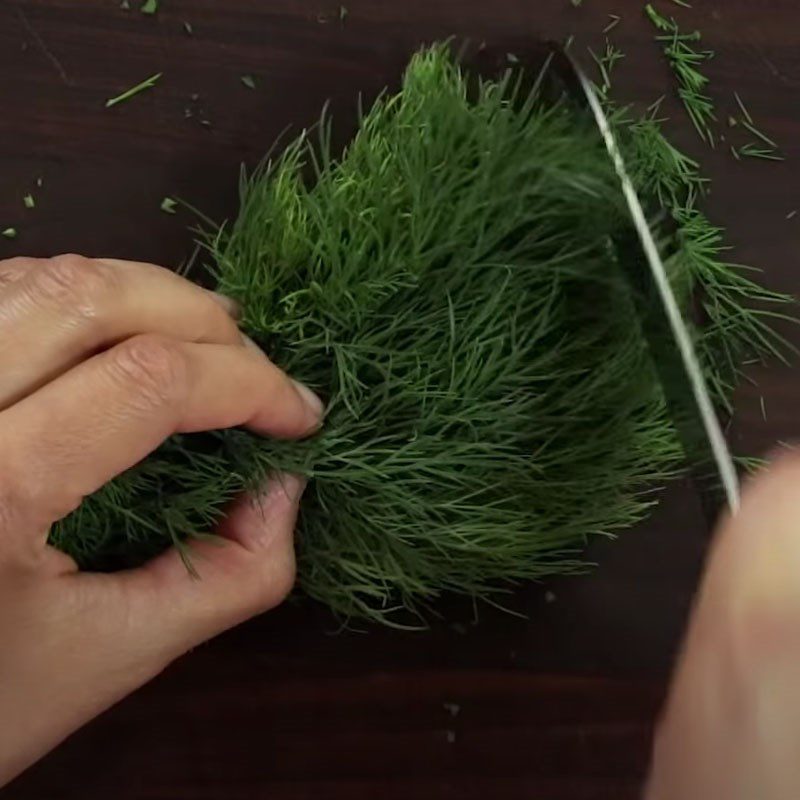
449	285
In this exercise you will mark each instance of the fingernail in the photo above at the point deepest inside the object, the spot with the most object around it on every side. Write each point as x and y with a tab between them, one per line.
289	484
279	495
233	307
311	401
279	492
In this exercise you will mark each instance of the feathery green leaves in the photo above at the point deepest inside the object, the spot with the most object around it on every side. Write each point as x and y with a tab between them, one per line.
449	285
686	61
147	83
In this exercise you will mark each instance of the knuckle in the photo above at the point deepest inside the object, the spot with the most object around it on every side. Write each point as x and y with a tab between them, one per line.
26	506
12	269
74	282
27	499
153	368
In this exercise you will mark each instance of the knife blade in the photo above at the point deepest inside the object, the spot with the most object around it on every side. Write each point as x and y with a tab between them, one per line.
668	335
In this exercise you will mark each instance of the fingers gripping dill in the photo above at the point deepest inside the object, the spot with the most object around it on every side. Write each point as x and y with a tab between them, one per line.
447	285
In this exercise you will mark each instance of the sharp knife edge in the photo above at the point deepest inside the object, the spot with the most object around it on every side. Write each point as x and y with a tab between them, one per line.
719	447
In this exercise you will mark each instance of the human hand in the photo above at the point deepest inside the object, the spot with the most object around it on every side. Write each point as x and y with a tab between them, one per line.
100	361
731	730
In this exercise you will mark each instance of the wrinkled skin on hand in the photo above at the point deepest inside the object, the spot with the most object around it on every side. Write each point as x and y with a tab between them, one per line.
100	361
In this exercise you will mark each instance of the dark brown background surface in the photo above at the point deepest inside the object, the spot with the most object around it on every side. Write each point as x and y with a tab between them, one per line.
559	706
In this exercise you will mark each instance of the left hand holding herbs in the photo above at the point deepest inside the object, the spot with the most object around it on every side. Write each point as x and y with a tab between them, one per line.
100	361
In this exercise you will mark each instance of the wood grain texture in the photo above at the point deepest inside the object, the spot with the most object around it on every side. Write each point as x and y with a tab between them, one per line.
559	706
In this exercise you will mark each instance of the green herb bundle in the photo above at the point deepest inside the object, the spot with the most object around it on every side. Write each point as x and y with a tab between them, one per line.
449	286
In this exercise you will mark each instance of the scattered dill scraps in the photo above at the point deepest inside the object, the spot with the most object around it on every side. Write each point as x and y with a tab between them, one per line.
764	148
686	62
605	64
147	83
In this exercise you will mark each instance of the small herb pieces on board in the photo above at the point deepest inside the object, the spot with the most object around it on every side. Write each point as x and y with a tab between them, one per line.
148	83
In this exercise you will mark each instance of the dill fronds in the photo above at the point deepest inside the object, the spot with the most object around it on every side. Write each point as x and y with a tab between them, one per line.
686	61
147	83
605	64
661	22
449	285
765	148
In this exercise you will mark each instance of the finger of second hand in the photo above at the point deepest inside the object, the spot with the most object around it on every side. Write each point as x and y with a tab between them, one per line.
69	438
71	307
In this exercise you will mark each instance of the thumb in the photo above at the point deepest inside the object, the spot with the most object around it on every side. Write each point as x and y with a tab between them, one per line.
249	569
732	722
93	638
